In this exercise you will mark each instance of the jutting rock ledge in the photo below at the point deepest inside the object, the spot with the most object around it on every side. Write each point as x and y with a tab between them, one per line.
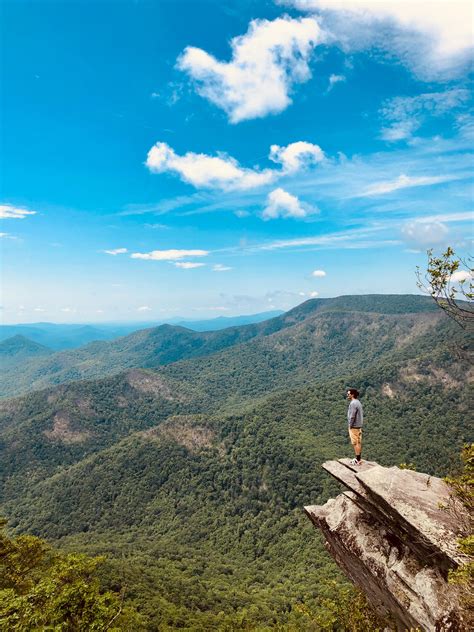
393	536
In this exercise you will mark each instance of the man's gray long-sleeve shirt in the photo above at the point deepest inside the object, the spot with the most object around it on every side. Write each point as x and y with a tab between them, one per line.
355	414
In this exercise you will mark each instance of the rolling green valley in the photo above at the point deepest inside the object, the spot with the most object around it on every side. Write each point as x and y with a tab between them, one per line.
190	475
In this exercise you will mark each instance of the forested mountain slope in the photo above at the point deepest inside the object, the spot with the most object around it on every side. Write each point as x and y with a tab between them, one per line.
191	477
63	424
410	399
150	348
322	346
19	348
200	514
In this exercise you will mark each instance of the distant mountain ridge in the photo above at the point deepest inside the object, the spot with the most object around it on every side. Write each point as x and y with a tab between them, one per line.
165	344
18	351
21	346
70	336
222	322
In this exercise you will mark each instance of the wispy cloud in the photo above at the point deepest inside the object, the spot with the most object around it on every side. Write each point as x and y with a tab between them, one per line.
157	226
266	63
349	239
168	255
116	251
7	211
333	80
403	182
188	265
219	267
405	115
425	233
144	308
467	216
164	206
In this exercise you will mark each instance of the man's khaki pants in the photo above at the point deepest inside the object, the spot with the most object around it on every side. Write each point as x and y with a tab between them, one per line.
356	439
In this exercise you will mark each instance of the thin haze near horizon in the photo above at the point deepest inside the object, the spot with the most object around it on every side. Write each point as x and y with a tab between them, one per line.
214	158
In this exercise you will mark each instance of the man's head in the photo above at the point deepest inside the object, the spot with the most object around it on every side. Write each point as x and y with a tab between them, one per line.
352	393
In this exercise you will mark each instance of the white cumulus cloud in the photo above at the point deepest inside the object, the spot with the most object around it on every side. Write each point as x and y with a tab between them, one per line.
296	156
266	63
7	211
168	255
460	276
224	172
434	39
318	273
280	203
201	170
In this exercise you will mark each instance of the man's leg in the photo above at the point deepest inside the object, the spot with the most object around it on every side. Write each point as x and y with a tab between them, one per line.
356	440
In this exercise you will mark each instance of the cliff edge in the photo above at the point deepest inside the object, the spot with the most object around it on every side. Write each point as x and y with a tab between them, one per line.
393	536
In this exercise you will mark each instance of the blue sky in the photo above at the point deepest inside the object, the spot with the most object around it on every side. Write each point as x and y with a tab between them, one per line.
213	158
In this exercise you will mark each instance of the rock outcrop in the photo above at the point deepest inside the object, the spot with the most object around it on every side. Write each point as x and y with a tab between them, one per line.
393	536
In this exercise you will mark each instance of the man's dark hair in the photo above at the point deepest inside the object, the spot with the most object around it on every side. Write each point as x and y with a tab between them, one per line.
354	392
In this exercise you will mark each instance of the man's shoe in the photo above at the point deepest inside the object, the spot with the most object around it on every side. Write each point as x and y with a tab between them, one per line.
355	462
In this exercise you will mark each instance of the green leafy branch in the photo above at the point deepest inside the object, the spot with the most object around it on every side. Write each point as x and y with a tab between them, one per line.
449	281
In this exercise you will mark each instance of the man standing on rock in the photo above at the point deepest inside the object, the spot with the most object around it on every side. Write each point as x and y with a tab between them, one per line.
355	418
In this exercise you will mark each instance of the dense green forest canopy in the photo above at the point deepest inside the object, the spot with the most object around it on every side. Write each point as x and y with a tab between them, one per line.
191	477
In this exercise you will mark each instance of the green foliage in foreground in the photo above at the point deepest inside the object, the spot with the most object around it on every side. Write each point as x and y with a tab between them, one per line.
45	590
462	486
42	589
